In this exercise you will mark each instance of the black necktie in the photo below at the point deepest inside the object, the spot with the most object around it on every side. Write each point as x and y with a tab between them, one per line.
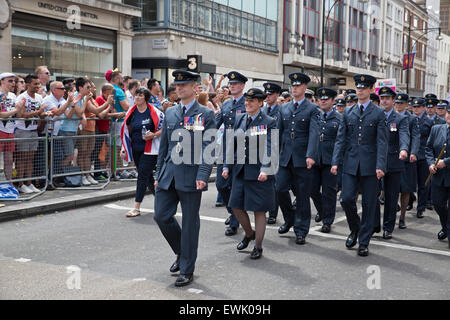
183	110
234	102
361	107
324	116
295	106
268	110
249	121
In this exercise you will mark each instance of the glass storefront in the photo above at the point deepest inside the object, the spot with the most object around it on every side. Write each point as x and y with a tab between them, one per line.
65	56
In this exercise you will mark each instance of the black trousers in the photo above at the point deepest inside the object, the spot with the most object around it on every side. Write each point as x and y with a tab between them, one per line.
145	165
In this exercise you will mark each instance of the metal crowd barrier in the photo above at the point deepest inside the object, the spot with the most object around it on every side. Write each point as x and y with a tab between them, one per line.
23	162
77	155
56	159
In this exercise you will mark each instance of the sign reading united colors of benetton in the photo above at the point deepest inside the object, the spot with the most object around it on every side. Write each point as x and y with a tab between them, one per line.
62	9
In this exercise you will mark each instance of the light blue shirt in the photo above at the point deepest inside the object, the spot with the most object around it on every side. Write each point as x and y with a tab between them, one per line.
236	100
299	102
328	113
365	105
188	106
388	114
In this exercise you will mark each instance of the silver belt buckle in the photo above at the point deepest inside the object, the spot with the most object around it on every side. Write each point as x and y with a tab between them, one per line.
359	141
292	135
321	137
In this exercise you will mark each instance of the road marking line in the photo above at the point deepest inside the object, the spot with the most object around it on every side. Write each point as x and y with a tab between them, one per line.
313	231
22	260
140	279
196	291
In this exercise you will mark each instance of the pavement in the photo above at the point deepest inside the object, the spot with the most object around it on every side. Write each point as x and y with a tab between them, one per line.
95	252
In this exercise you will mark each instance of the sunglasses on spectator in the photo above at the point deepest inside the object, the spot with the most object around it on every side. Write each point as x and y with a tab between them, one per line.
11	81
47	73
20	81
60	88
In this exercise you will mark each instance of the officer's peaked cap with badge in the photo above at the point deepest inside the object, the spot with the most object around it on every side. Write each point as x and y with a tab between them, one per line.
402	98
298	78
309	93
270	88
374	97
430	96
234	77
326	93
183	76
387	92
443	104
364	80
340	102
349	91
255	93
431	102
351	98
418	102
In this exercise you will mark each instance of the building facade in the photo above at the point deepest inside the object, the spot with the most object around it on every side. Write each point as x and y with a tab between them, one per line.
443	61
73	38
218	36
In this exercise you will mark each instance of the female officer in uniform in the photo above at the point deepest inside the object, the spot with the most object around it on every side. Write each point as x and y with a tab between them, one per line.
440	181
253	179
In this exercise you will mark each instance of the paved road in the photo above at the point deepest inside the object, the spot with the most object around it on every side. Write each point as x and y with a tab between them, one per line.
122	258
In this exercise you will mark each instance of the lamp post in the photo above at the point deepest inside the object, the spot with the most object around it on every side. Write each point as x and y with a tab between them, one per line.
324	23
439	37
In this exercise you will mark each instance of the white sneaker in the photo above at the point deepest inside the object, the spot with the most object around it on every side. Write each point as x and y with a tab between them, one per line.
91	180
33	188
85	181
24	189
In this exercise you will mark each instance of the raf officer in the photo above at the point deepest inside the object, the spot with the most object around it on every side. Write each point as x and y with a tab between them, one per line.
441	110
363	142
227	116
425	125
399	140
329	123
375	99
253	180
299	133
351	99
439	140
272	109
408	178
182	182
340	105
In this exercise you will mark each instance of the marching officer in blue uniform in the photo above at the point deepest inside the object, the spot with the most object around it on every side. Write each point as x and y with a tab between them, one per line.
363	142
425	125
272	109
408	178
351	99
182	182
299	131
227	116
431	103
399	140
441	109
375	99
253	179
325	201
439	140
340	105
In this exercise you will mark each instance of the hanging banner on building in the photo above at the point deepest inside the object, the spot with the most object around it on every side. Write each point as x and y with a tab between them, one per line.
391	83
408	61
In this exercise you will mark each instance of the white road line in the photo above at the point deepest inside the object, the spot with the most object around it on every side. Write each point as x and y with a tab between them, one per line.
22	260
313	231
196	291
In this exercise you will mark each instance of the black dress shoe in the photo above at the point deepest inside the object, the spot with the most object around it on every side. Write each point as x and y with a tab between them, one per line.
398	208
409	207
318	218
184	280
419	214
363	251
351	239
381	199
256	253
244	243
220	204
300	240
271	220
326	228
176	265
387	235
294	204
401	224
231	231
442	235
227	222
284	229
430	207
